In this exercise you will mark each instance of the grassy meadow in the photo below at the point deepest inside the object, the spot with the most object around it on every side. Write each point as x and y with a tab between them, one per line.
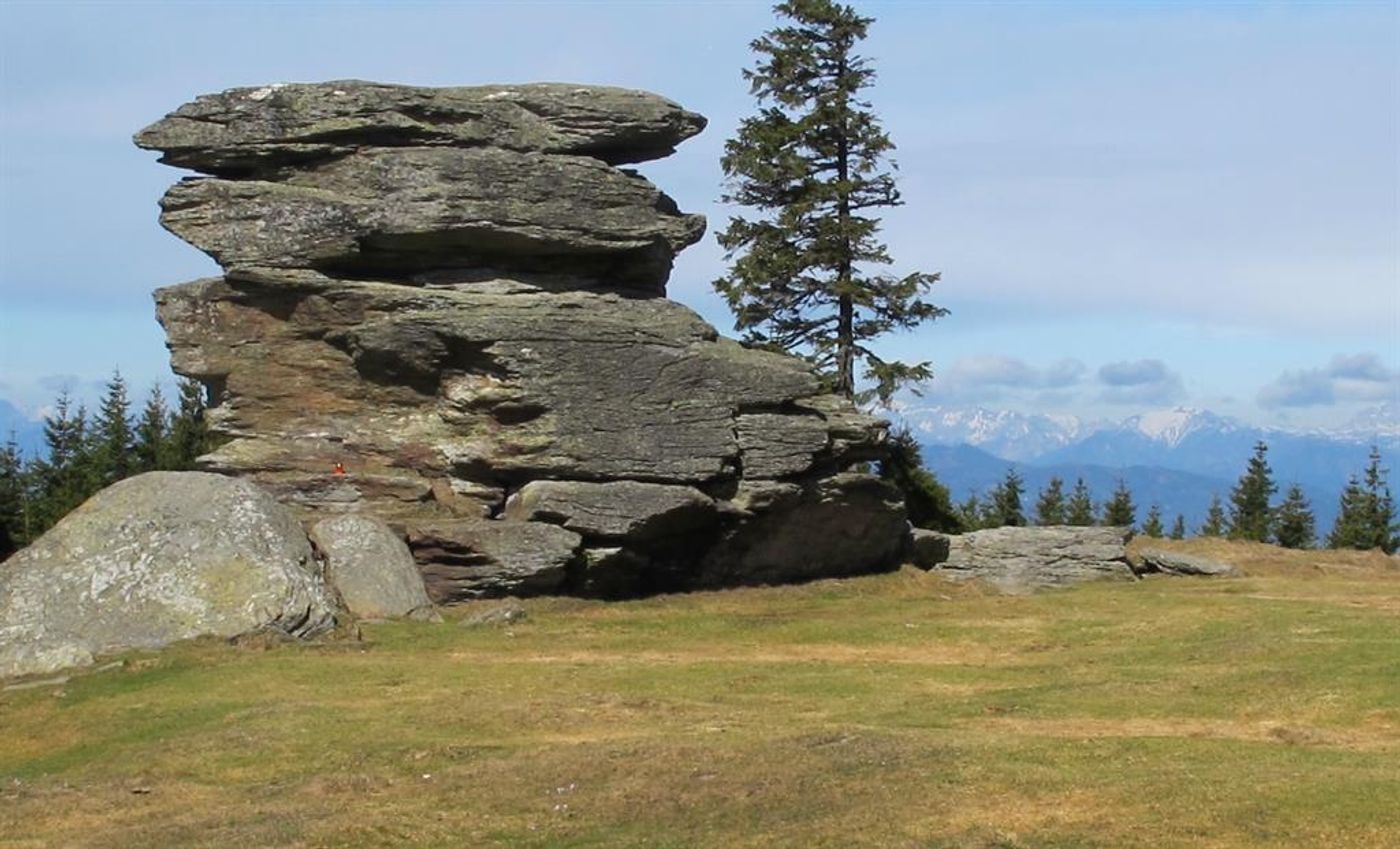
899	710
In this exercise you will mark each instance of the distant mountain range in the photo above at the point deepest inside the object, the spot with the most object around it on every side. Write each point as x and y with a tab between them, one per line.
1174	458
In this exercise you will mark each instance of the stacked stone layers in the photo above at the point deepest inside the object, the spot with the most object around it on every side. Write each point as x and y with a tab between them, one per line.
446	307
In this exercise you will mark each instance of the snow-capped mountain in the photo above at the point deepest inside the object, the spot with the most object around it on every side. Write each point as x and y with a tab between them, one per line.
1003	433
1179	457
1172	426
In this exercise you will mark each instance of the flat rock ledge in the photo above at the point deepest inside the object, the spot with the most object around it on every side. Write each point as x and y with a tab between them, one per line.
1022	560
1159	560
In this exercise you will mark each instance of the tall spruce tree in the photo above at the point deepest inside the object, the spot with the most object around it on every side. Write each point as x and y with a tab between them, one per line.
1366	514
1215	518
112	437
926	499
1293	522
1050	505
1119	510
1250	513
189	434
152	449
1079	510
813	163
1152	525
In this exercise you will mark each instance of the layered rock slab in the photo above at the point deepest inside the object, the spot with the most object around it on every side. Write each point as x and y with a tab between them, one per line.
268	129
153	559
407	211
1019	560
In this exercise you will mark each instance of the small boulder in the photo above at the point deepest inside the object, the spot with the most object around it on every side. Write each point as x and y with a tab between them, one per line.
928	549
1177	563
630	510
157	558
508	612
370	567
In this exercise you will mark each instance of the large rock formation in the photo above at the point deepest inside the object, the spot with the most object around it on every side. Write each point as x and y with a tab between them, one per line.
445	307
156	558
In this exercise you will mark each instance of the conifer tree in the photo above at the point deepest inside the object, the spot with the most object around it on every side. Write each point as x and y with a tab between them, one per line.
13	498
1366	516
189	434
805	269
152	448
1152	525
1004	508
112	437
926	499
1293	522
1178	530
1120	511
1250	513
65	478
1215	519
1050	506
1079	510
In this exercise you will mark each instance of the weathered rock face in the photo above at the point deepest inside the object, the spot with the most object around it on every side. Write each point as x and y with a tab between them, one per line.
156	558
456	325
1025	559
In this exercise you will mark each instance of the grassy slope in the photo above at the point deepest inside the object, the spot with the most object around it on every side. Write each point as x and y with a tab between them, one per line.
891	711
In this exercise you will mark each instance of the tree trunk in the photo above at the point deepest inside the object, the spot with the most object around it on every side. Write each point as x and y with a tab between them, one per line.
845	328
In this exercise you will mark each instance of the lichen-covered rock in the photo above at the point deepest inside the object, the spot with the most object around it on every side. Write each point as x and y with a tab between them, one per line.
369	566
269	129
1024	559
153	559
1180	563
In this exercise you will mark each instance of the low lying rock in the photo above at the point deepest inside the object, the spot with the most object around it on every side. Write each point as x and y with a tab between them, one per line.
928	549
370	567
157	558
1021	560
508	612
1177	563
631	510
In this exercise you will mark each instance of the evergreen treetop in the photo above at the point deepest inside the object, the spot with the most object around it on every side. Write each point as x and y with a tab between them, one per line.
1293	522
1215	519
1120	511
1079	510
1050	506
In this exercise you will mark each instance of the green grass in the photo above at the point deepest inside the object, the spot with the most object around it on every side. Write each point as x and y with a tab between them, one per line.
897	710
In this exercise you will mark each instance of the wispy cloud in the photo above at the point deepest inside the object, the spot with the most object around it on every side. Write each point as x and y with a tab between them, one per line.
1347	378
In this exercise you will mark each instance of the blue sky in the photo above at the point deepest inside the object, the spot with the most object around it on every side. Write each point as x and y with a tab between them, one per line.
1132	204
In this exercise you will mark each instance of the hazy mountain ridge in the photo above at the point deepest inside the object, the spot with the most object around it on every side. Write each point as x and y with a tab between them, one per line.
1175	458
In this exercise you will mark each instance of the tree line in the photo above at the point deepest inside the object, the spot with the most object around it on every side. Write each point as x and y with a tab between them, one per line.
1366	518
83	453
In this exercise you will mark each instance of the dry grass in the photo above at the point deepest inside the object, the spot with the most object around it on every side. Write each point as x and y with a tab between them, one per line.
895	711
